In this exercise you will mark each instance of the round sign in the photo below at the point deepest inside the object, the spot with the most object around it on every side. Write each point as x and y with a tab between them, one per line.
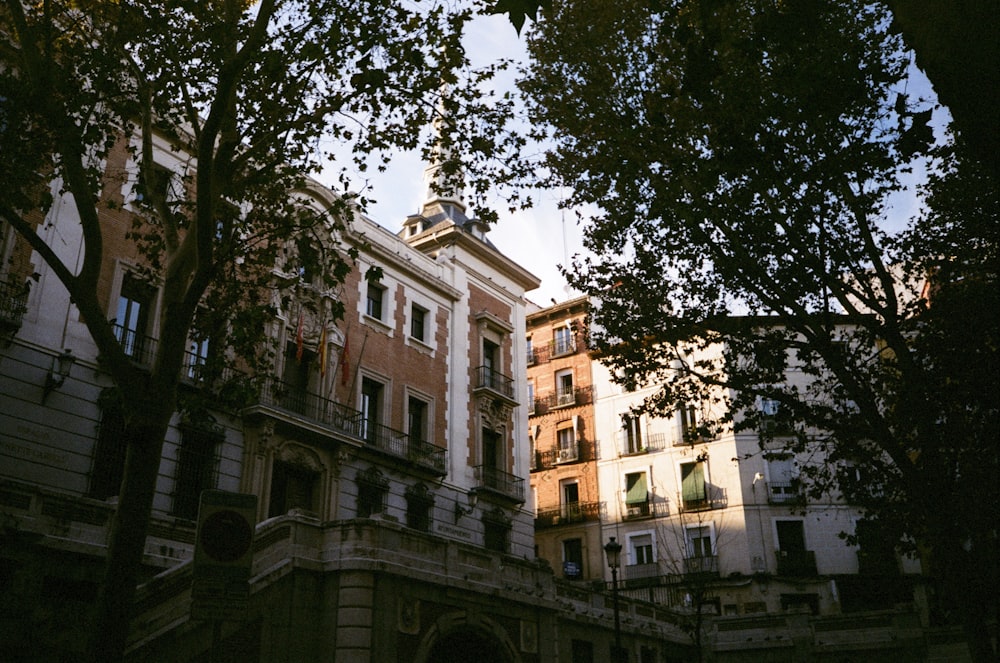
225	536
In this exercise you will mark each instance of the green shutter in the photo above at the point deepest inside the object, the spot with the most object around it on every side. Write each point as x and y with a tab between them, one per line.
693	482
636	489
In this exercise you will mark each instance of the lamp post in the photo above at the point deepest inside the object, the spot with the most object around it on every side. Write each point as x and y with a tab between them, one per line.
613	550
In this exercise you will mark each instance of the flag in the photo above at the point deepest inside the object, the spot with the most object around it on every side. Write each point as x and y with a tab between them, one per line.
344	368
299	336
322	352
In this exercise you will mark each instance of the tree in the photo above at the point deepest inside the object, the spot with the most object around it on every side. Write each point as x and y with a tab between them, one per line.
740	158
253	97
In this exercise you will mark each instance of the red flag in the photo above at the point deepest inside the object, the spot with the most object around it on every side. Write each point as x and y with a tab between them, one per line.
299	337
344	368
322	352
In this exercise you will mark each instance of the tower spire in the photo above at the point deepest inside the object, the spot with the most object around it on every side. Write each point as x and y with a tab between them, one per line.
442	190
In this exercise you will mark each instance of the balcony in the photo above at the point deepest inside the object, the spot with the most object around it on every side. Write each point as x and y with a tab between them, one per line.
566	398
707	565
647	509
562	346
553	401
494	382
784	492
13	304
568	514
796	563
141	349
633	445
581	452
641	575
713	498
500	483
275	396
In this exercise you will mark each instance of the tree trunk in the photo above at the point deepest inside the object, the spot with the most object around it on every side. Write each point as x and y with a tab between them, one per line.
109	635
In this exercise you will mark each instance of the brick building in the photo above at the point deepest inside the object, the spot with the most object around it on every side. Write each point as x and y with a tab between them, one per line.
388	455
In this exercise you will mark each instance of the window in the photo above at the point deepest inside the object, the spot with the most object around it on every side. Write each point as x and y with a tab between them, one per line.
491	356
418	322
419	503
109	454
641	549
566	440
196	469
693	491
563	340
492	449
292	487
564	388
132	319
530	353
783	479
531	397
571	500
689	423
632	442
373	302
295	378
699	541
372	490
636	494
496	531
371	405
158	184
417	419
573	558
197	355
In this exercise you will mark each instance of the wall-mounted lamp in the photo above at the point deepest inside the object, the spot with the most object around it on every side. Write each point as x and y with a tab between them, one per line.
759	476
463	511
61	366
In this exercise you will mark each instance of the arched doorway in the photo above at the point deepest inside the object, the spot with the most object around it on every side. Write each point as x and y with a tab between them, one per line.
460	638
467	644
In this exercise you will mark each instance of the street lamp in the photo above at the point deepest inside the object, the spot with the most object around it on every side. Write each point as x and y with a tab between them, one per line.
57	375
613	550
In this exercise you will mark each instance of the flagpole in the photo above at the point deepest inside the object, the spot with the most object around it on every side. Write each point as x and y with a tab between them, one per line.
354	382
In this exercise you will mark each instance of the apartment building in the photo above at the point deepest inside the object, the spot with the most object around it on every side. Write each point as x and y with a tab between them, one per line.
564	445
386	452
714	525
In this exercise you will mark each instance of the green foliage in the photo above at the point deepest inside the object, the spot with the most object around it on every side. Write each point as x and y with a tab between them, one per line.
739	158
250	99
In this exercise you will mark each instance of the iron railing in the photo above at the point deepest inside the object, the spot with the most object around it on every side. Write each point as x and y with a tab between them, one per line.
500	482
13	305
487	378
567	514
274	393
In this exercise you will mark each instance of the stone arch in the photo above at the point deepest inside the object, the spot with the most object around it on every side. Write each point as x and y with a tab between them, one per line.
460	637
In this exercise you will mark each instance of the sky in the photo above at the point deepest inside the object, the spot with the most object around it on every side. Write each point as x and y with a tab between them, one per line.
544	237
533	238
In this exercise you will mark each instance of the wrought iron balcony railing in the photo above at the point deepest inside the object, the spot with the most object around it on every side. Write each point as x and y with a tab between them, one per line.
708	564
562	346
714	497
13	305
500	482
274	393
567	514
487	378
582	451
649	509
140	348
784	492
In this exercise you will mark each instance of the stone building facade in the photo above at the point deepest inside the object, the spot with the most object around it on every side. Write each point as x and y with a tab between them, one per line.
393	512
